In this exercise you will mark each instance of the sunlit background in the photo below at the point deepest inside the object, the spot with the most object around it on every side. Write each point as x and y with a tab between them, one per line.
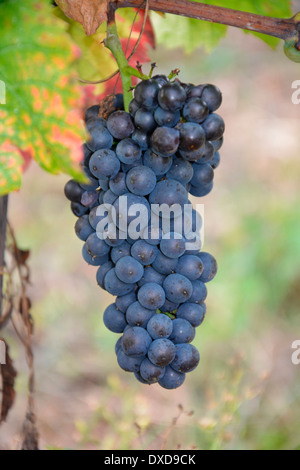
245	393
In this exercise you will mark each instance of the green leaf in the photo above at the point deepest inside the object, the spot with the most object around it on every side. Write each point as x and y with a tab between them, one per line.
174	31
41	114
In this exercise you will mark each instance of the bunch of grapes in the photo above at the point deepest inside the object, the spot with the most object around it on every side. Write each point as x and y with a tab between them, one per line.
166	147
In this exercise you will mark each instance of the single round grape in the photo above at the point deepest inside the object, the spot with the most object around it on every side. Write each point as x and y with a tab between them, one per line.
152	235
163	264
195	110
214	127
128	151
92	112
144	120
190	266
118	346
178	288
89	198
192	136
95	122
171	97
117	184
218	143
96	246
124	301
104	163
171	379
93	260
160	326
166	118
210	266
129	270
181	171
161	352
172	245
186	359
195	91
129	363
95	217
202	190
203	174
73	191
113	319
113	236
102	271
212	97
150	275
151	296
145	93
137	315
141	180
160	79
100	138
136	341
139	378
109	198
119	252
199	293
83	228
165	141
207	153
120	125
115	286
150	372
183	331
193	313
144	252
160	165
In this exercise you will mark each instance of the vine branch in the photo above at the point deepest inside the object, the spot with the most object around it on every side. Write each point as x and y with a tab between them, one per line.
277	27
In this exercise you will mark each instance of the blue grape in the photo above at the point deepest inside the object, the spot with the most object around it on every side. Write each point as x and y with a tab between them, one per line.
141	138
215	161
150	372
141	180
166	118
78	209
137	315
214	127
114	320
160	165
102	271
150	275
117	184
212	97
96	246
120	125
160	326
203	174
124	301
73	191
115	286
146	92
181	171
128	151
178	288
193	313
169	306
163	264
104	163
171	97
186	358
161	352
124	207
183	331
192	136
169	192
152	235
129	270
210	266
165	141
92	112
195	110
144	252
83	228
109	198
172	245
129	363
201	191
144	120
100	138
136	341
151	296
199	293
93	260
171	379
190	266
119	252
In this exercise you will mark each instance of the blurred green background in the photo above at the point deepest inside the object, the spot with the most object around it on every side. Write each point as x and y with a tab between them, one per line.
245	393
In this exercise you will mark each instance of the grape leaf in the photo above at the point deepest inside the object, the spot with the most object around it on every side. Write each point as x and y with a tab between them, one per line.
191	34
90	13
41	116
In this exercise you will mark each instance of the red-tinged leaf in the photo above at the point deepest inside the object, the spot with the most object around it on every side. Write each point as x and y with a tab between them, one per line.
7	383
41	117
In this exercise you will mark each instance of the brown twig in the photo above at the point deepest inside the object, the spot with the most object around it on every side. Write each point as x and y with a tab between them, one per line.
277	27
